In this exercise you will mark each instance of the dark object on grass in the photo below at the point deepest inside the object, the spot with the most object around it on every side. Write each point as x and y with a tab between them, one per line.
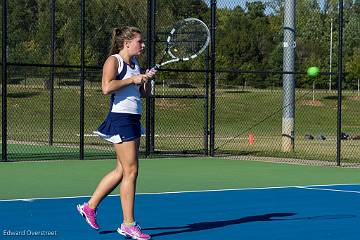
355	137
320	137
308	137
344	136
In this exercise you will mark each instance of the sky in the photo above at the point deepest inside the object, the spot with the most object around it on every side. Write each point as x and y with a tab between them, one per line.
242	3
234	3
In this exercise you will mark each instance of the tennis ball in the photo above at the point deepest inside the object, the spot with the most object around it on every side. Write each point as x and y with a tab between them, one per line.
313	71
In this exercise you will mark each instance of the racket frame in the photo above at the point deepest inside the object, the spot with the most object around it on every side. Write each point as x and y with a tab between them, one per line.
167	50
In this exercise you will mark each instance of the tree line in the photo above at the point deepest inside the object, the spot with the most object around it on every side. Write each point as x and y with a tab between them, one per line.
248	36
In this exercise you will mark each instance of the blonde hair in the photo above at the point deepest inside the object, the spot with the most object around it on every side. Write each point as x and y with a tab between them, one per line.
119	36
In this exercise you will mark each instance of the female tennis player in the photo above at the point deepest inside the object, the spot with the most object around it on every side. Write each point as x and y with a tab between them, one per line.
123	80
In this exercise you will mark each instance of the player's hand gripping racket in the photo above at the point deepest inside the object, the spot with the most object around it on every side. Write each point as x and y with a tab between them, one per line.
187	40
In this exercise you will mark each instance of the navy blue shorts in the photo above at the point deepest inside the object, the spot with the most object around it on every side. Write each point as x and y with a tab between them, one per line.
120	127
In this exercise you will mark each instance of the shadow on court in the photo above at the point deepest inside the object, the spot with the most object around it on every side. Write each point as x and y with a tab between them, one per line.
201	226
259	218
194	227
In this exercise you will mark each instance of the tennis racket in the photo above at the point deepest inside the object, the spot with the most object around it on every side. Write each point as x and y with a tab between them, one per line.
187	40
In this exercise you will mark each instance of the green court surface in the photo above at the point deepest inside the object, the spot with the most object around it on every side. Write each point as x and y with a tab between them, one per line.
36	151
22	180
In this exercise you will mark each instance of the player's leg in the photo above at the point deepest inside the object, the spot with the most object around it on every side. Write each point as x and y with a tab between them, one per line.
128	155
107	184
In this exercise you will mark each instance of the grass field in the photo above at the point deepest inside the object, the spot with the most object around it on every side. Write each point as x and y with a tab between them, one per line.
179	123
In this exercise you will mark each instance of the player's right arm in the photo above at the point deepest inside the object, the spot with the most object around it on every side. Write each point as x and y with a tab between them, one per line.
109	83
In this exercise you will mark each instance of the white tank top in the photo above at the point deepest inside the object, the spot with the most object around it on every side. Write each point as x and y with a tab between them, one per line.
127	99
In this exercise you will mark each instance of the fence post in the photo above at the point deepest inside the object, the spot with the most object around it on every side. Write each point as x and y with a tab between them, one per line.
4	81
212	77
206	105
82	79
339	83
52	72
150	62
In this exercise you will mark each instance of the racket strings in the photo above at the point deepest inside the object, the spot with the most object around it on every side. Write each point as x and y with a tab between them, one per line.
188	40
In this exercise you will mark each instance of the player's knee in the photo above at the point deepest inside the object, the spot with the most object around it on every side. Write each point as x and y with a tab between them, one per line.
118	171
131	172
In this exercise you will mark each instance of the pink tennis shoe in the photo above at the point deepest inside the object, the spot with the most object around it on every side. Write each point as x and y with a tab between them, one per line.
89	215
133	232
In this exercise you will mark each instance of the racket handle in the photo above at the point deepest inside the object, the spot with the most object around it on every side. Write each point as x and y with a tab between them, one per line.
156	67
152	85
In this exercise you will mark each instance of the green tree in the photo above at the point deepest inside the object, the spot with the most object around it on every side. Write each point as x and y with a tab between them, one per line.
352	65
312	40
22	15
245	42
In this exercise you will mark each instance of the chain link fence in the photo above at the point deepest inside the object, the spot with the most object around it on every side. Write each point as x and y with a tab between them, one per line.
44	47
252	100
55	50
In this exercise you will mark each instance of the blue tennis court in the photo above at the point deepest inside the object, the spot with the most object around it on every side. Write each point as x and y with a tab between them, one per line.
296	212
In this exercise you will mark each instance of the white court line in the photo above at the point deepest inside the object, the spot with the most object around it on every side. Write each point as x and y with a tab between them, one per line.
328	189
310	187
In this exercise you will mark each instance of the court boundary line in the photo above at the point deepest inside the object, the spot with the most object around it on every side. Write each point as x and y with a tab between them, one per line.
309	187
329	189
